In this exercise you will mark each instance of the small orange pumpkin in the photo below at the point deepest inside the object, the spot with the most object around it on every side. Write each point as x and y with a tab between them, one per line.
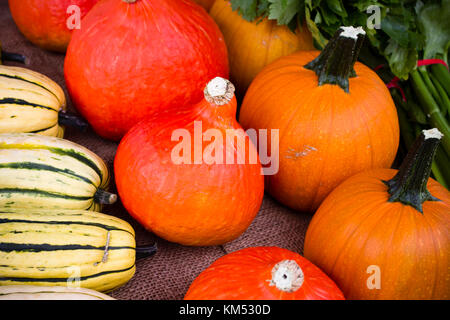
253	45
263	273
335	118
385	234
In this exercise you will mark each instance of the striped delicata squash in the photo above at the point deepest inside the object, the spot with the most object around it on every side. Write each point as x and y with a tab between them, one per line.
39	171
21	292
65	248
30	102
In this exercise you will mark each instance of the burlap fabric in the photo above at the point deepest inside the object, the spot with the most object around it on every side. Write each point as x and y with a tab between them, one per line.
167	274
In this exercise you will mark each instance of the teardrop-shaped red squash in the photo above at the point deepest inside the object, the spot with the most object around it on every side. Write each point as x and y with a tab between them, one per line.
192	177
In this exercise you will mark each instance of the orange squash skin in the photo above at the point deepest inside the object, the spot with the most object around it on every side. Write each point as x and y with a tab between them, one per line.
134	59
253	45
246	274
356	227
326	134
191	204
44	23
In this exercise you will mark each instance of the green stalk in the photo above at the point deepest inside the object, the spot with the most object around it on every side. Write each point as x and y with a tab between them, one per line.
441	73
407	132
431	109
442	162
410	131
445	108
430	86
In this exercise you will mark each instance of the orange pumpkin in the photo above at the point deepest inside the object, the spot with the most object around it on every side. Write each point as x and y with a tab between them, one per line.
207	4
332	124
385	234
182	176
253	45
263	273
48	23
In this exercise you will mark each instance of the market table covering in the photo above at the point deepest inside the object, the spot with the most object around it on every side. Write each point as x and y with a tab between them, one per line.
167	274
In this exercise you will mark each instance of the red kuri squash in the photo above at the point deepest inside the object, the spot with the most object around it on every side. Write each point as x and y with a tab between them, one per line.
335	118
263	273
135	57
49	24
185	178
385	234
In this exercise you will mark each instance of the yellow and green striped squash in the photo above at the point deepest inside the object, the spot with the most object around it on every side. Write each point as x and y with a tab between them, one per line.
51	173
65	248
30	102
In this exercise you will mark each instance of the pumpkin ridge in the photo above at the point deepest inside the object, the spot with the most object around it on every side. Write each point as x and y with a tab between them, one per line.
331	107
350	240
437	248
350	237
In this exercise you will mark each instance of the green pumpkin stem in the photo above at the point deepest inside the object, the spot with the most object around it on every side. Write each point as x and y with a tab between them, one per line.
335	64
409	185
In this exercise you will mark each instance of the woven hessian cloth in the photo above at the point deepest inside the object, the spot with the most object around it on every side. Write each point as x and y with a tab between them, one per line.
167	274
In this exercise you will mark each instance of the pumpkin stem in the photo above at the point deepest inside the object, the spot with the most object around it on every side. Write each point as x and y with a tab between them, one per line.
287	276
335	63
219	91
409	185
9	56
104	197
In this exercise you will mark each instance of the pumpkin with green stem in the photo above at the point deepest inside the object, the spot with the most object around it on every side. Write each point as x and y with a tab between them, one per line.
335	118
385	234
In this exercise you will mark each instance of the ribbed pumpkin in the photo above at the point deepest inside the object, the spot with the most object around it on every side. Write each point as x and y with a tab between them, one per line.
253	45
335	118
207	4
263	273
133	58
46	23
385	234
182	177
